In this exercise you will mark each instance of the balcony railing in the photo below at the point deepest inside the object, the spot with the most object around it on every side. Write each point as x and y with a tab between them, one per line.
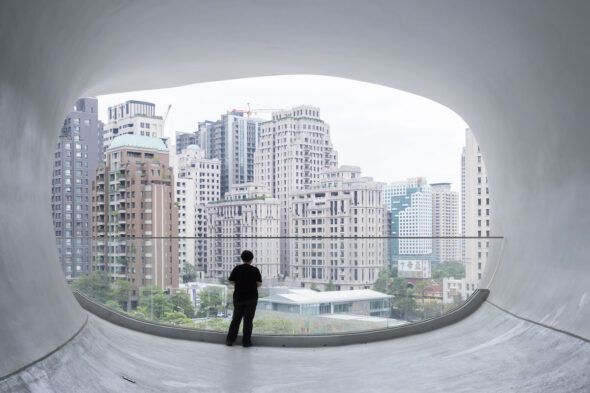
311	285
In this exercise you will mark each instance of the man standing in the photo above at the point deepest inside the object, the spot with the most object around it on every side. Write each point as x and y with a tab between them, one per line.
246	279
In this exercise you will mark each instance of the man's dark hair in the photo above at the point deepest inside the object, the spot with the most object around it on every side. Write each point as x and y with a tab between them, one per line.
247	256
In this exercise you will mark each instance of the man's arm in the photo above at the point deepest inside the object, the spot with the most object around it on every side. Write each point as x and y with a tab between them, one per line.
232	277
258	278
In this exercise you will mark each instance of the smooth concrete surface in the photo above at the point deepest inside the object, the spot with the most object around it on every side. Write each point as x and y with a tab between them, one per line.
292	341
488	352
516	71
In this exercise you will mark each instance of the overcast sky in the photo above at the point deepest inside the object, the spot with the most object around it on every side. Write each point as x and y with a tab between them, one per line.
390	134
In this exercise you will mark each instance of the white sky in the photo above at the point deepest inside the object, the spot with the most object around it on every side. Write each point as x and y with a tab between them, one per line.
390	134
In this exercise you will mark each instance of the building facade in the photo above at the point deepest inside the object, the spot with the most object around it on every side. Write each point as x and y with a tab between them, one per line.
75	159
132	117
247	218
184	140
232	140
293	150
410	205
197	184
133	212
475	210
342	204
445	223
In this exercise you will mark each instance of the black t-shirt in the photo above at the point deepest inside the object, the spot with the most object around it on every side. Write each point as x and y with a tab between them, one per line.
245	277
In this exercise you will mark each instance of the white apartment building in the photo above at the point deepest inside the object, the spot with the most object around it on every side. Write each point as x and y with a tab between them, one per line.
197	183
445	223
475	203
132	117
247	218
294	148
342	204
410	205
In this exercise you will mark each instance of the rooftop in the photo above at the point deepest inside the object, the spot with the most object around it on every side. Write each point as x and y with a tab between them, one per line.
139	141
308	296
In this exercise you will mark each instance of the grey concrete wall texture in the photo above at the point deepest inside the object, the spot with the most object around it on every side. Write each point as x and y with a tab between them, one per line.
517	72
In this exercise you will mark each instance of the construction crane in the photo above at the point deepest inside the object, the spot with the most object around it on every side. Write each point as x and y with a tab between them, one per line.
248	112
166	116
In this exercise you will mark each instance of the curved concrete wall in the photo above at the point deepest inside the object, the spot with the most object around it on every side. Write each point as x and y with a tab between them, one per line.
515	71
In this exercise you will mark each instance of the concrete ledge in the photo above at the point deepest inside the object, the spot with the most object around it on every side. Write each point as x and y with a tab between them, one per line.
319	340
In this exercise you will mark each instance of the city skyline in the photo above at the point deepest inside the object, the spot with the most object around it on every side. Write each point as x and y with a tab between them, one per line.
417	136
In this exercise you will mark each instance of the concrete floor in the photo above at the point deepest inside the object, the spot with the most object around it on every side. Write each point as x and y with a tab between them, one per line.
508	355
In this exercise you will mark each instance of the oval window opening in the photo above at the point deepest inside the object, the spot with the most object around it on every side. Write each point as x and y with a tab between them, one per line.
365	207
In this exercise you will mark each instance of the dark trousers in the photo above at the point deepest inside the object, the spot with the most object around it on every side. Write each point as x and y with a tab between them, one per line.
246	310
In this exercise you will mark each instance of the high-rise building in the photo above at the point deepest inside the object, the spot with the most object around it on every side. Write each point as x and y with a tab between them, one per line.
410	205
342	204
232	140
197	183
76	156
294	148
475	210
247	218
133	211
132	117
445	223
184	140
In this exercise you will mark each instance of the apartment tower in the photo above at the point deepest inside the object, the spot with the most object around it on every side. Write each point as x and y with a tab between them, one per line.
293	150
232	140
134	215
341	205
197	184
445	223
247	218
475	210
75	158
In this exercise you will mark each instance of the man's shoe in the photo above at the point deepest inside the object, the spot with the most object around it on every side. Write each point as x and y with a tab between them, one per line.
229	343
247	344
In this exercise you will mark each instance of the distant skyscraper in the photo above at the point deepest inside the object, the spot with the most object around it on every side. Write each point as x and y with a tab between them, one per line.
184	140
197	183
133	211
475	203
247	218
445	223
341	204
132	117
232	140
294	148
75	159
410	205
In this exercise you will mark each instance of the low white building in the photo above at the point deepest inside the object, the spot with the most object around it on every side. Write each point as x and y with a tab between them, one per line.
309	302
326	218
454	288
248	218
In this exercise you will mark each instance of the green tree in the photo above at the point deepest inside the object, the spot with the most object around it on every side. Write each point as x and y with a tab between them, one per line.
189	273
182	302
154	303
120	292
176	318
330	286
449	269
382	282
114	305
403	302
96	285
211	302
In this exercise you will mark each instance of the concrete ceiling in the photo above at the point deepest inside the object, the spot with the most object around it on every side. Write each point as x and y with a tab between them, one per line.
517	72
